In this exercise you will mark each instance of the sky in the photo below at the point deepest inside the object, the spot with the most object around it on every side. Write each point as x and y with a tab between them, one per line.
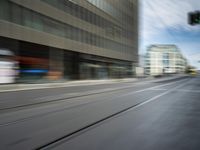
165	22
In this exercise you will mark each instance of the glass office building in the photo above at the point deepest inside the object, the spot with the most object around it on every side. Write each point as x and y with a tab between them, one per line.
71	39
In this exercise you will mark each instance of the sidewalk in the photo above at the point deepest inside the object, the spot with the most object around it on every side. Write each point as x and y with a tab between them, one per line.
19	87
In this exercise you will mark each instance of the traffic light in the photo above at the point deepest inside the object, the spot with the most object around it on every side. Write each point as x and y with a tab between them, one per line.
194	18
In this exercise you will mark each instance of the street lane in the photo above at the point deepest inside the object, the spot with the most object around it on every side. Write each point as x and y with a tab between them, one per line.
37	126
26	98
169	122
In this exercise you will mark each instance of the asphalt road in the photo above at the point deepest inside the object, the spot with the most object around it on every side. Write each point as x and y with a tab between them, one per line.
25	98
140	116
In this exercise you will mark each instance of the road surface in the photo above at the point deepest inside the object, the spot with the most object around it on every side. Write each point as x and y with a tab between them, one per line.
124	116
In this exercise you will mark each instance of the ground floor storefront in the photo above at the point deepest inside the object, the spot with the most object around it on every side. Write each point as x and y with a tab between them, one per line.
40	63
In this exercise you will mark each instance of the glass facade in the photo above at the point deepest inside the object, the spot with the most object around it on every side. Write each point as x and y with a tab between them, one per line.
59	63
166	59
23	16
72	8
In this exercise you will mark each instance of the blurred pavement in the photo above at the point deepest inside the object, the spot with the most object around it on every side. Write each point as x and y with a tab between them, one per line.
19	87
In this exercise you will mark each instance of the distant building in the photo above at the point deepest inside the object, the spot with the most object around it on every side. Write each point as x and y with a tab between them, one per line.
71	39
164	59
141	60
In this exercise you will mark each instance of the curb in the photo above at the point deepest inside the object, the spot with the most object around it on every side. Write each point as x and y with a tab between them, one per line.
22	87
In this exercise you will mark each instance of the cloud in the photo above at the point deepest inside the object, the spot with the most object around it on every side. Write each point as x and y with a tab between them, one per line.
159	15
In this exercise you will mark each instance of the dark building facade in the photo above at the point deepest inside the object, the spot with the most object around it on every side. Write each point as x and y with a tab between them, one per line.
71	39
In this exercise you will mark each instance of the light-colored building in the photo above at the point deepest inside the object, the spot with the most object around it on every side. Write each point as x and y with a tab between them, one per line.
164	59
72	39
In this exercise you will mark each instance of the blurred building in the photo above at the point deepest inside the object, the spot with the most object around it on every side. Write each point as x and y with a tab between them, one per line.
71	39
164	59
141	60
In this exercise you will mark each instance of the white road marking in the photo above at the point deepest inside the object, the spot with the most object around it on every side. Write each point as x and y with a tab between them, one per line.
192	91
159	89
158	96
155	87
68	95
